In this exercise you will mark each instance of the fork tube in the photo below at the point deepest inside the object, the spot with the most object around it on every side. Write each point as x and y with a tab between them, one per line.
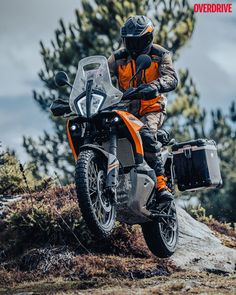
113	163
113	143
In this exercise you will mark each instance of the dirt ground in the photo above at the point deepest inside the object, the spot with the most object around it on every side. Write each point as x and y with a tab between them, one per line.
177	283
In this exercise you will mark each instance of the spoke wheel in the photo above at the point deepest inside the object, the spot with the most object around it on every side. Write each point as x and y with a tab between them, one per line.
96	206
161	235
168	225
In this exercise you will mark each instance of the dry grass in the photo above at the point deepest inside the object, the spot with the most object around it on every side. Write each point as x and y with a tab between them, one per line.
176	283
87	269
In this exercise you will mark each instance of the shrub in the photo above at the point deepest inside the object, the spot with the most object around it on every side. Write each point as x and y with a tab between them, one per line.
52	217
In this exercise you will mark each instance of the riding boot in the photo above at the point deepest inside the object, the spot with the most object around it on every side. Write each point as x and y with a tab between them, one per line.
163	192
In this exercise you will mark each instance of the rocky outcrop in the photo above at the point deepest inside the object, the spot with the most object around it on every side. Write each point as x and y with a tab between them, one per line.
200	249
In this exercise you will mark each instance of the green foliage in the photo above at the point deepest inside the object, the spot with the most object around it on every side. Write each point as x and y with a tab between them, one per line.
16	179
200	214
221	202
175	23
42	223
226	229
96	30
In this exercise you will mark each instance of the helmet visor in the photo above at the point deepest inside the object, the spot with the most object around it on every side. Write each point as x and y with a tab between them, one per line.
138	44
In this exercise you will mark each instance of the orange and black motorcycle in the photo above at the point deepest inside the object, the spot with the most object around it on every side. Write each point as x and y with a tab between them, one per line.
113	181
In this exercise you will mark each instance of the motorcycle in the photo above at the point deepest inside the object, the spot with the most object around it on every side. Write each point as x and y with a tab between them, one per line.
113	180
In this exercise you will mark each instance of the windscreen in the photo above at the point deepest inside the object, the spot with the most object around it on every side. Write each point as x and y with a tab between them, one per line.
95	68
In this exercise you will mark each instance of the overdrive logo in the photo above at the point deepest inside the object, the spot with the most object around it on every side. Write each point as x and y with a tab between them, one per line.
225	7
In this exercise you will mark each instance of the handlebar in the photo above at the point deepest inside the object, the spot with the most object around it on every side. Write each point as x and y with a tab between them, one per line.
61	107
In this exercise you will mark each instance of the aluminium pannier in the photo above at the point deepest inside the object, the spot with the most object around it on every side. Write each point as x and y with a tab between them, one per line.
196	165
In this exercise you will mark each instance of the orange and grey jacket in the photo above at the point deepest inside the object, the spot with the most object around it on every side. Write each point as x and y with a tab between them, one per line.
160	74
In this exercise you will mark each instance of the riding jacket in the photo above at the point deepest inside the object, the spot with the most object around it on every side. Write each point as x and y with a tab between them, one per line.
160	74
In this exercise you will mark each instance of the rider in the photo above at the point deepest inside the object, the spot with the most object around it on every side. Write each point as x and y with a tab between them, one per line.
137	36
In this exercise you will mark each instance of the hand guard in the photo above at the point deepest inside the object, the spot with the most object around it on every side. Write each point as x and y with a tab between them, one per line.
60	107
128	93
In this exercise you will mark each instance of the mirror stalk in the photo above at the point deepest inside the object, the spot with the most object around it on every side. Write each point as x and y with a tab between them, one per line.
134	76
143	62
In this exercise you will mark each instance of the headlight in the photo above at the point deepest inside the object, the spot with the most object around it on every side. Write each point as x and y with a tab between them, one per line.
96	102
82	106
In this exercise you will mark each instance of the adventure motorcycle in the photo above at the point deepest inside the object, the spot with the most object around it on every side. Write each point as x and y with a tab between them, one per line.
113	181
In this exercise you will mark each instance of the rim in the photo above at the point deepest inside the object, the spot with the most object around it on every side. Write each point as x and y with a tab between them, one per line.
168	225
103	210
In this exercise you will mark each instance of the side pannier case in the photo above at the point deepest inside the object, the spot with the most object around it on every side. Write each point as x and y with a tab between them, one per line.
196	165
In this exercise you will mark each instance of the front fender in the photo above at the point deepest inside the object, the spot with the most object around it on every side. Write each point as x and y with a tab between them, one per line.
112	164
95	148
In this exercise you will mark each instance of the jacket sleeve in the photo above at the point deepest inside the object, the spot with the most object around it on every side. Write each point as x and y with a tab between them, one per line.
168	80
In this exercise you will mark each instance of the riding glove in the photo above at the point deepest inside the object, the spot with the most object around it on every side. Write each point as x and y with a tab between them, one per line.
147	91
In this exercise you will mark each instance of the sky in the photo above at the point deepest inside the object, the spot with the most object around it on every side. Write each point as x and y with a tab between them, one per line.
210	57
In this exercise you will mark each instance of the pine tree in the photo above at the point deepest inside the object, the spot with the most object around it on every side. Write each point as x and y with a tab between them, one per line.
221	202
96	31
186	119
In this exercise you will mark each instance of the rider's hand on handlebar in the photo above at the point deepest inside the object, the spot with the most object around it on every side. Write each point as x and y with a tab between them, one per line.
147	91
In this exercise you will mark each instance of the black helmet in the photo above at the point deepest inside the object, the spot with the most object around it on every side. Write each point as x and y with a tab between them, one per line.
137	35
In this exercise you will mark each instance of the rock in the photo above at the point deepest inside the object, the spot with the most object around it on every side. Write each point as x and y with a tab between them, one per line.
6	200
199	249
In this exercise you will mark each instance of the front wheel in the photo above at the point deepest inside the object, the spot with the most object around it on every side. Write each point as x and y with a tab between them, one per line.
161	235
96	207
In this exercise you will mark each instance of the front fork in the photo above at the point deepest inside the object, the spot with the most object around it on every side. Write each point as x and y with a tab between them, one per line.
112	167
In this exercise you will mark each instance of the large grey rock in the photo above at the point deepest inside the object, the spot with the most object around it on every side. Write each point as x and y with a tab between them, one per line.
199	249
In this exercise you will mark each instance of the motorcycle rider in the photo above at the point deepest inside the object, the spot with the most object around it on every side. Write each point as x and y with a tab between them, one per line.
137	36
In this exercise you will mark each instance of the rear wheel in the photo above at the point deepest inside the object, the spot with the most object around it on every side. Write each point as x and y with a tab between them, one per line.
161	235
97	208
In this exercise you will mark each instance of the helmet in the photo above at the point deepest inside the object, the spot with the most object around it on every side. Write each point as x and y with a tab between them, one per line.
137	35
